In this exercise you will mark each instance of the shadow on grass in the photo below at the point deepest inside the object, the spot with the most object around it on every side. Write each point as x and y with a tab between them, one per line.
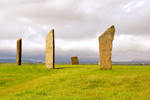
67	67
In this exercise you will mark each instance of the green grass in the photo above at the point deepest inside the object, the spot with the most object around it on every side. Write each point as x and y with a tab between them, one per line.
74	82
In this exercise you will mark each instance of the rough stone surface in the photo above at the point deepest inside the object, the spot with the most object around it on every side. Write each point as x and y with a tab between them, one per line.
105	48
98	63
50	50
19	49
74	60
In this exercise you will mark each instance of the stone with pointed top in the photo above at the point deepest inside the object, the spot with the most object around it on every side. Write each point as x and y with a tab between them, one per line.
74	60
105	48
19	49
50	50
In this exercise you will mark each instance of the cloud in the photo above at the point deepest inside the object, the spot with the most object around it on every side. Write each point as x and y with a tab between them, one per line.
129	43
135	21
77	25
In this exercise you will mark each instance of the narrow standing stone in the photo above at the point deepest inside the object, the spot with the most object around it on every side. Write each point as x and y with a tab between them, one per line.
50	50
19	49
74	60
105	48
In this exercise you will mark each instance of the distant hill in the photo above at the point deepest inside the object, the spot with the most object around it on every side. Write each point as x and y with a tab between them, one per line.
14	60
132	62
80	62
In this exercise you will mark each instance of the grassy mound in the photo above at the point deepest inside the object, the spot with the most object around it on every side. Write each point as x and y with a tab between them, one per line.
75	82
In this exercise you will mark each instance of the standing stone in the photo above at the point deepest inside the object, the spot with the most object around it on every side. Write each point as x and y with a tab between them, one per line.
105	48
50	50
19	49
74	60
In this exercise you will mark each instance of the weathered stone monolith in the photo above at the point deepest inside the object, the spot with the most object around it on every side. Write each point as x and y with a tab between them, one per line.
19	49
74	60
105	48
50	50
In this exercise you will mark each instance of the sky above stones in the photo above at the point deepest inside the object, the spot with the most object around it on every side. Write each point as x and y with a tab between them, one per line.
77	25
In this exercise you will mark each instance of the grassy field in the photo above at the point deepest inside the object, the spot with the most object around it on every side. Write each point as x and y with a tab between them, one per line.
74	82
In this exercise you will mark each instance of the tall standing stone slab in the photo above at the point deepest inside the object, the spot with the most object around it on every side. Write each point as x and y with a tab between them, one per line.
105	48
19	50
50	50
74	60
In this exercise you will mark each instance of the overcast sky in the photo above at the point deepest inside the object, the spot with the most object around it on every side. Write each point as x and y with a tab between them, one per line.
77	25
